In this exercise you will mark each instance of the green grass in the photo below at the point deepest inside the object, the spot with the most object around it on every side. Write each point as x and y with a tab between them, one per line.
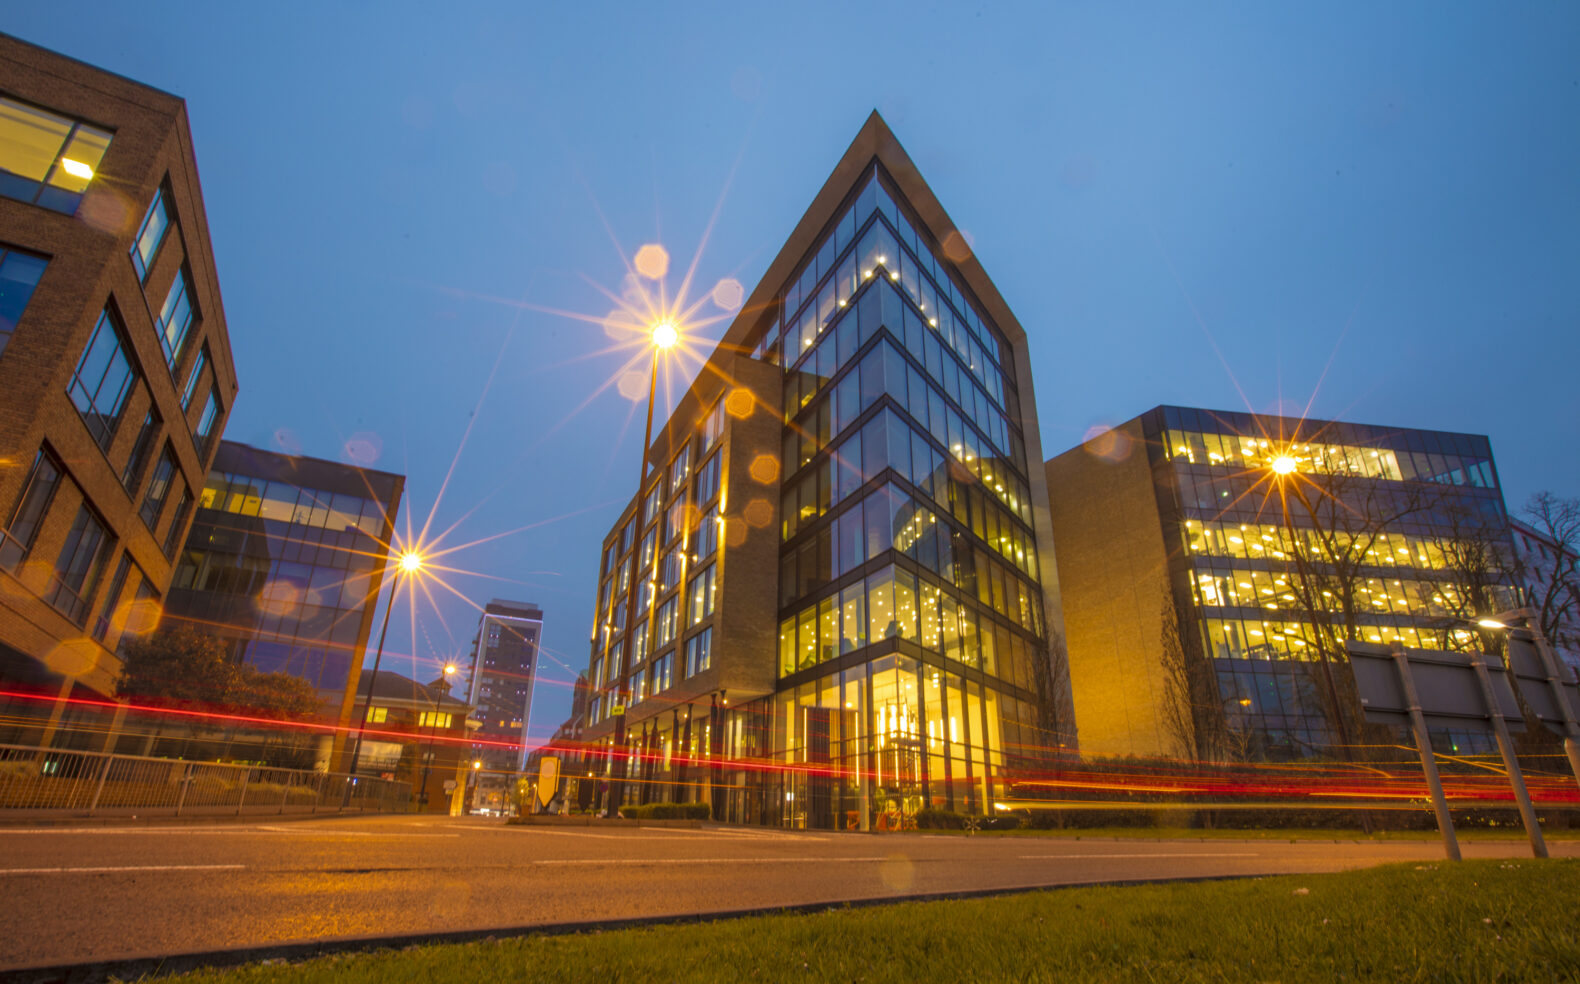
1475	921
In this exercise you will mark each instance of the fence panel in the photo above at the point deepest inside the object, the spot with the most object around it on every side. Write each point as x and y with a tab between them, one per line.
91	783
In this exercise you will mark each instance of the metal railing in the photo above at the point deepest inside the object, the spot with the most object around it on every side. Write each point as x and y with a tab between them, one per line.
101	784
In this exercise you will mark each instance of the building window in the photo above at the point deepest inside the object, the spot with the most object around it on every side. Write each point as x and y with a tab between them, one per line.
378	715
77	567
208	428
101	627
46	159
702	588
19	274
713	425
132	474
433	719
707	535
103	380
680	470
699	652
177	525
708	480
152	235
17	538
661	673
664	624
175	318
650	508
194	379
154	499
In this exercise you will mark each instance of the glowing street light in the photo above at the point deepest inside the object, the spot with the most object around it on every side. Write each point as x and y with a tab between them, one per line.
410	563
1283	464
665	333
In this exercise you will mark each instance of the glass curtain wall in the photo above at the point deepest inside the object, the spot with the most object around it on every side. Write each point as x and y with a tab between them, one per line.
911	629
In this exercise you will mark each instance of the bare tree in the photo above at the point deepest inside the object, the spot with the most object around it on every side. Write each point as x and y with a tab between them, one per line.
1192	711
1332	558
1555	589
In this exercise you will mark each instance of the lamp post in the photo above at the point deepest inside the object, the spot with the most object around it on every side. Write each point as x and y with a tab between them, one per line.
441	688
1284	466
410	563
663	336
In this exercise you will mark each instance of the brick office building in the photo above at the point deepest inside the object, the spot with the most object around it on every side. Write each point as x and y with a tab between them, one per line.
115	365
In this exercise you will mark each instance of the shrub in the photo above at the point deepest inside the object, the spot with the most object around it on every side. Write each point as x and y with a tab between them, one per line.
931	818
666	811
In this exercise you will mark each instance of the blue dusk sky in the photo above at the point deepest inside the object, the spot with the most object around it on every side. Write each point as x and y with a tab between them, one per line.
1370	209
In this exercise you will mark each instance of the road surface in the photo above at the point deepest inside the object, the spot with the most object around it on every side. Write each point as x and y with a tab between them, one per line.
70	895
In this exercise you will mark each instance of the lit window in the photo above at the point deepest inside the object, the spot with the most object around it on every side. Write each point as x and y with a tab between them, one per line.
699	652
103	380
152	234
433	719
19	274
47	159
378	715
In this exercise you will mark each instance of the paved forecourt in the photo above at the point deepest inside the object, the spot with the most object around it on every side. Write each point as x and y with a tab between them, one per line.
101	893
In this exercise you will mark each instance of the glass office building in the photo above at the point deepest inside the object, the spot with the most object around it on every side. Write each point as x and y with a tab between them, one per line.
284	561
860	487
1274	539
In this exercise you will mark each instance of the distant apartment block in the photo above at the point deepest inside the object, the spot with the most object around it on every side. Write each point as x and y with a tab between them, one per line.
504	669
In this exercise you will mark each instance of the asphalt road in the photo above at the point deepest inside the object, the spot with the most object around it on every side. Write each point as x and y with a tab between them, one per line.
72	895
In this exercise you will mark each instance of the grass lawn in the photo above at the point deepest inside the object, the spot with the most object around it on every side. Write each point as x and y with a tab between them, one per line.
1474	921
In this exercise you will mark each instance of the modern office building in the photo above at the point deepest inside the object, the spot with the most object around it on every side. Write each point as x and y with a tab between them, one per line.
285	561
1213	563
504	668
416	733
115	365
831	600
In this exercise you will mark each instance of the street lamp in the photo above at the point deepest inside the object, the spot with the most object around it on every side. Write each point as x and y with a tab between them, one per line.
441	688
664	335
1525	620
410	563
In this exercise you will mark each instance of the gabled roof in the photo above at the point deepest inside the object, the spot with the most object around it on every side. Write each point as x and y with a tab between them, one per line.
875	142
394	689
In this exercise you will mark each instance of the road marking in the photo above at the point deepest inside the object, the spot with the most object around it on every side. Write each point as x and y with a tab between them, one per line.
640	862
116	870
1080	857
348	833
